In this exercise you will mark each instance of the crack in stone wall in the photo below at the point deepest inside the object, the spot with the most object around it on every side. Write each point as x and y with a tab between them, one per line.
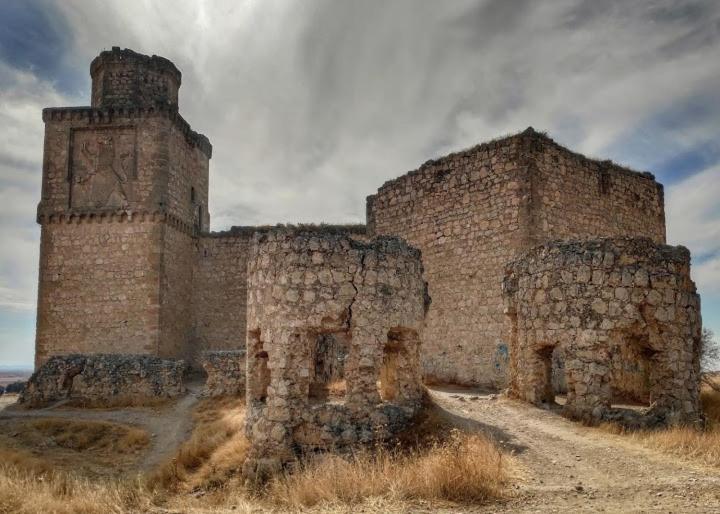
303	285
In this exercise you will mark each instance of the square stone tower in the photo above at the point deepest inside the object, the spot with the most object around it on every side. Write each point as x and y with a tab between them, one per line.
473	211
124	193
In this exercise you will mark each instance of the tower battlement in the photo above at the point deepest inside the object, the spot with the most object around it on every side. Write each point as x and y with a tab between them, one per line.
124	78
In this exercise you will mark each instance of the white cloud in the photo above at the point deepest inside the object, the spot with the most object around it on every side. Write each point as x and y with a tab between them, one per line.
312	105
693	220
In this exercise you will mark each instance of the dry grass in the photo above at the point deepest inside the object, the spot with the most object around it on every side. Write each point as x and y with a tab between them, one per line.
466	468
687	442
215	451
89	448
84	435
22	492
434	466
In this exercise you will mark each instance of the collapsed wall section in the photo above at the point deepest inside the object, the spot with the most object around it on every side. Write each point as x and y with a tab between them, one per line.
104	380
471	212
625	316
334	327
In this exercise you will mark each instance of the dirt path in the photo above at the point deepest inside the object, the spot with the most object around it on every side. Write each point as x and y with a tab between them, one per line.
167	425
569	468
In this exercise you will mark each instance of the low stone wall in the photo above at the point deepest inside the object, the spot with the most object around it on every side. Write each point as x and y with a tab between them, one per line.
104	379
225	372
334	327
624	315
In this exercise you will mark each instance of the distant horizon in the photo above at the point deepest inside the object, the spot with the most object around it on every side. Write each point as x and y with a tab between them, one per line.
16	367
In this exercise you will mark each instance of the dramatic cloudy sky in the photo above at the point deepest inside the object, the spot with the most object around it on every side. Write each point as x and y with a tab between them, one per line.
311	105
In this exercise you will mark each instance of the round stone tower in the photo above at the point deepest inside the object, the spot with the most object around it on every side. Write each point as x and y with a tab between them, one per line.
123	78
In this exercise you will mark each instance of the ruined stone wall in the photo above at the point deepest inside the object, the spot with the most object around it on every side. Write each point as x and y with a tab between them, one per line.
220	290
104	380
626	316
225	372
471	212
98	286
328	318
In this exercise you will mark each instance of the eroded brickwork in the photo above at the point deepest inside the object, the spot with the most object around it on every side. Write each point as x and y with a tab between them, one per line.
334	327
104	379
624	313
225	371
473	211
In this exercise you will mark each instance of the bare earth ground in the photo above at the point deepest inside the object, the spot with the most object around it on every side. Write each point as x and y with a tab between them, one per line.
571	468
168	425
564	467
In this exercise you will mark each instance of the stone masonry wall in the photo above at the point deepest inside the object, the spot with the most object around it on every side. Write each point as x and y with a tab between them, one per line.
123	78
98	286
220	290
579	198
462	211
473	211
124	197
176	337
329	317
225	372
104	380
606	304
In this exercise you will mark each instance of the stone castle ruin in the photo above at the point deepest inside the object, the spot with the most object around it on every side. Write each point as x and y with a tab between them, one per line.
623	313
128	266
334	328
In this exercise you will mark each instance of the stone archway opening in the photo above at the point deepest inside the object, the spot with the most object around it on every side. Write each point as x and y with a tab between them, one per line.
553	383
396	369
557	375
633	365
328	355
258	371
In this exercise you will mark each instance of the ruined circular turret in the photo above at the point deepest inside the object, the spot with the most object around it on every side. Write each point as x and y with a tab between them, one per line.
334	328
123	78
623	315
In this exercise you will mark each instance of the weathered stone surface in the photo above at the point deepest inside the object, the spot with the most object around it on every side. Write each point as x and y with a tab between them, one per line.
104	378
124	196
634	338
225	372
473	211
330	318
